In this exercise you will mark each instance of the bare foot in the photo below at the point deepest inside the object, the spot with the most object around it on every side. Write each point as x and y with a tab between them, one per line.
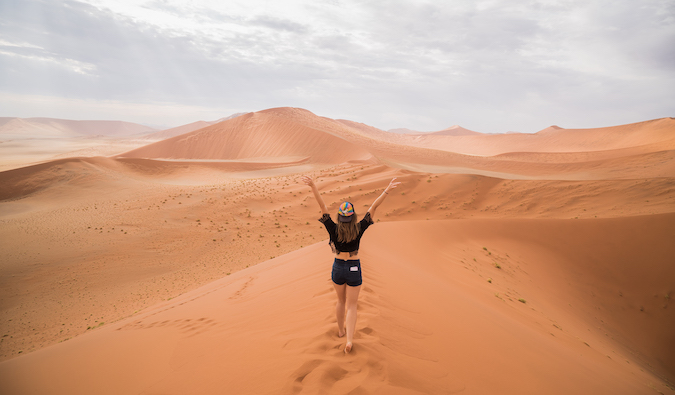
348	347
341	333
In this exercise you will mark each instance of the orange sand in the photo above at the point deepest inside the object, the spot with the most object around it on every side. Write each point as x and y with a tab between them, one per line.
533	264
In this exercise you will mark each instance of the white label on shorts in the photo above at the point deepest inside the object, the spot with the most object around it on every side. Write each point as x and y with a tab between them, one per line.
354	269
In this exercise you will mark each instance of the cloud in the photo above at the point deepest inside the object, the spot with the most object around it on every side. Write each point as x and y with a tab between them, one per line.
488	65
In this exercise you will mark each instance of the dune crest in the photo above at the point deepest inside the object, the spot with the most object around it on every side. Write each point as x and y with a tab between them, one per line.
258	135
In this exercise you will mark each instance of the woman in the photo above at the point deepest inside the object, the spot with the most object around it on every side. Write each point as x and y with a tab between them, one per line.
345	237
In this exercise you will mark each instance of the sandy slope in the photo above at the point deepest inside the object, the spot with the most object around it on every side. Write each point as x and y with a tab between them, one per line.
138	274
429	323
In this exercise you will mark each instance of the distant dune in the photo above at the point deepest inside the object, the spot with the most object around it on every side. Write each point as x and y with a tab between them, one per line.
177	131
292	134
261	135
455	130
554	139
34	140
503	264
52	127
190	127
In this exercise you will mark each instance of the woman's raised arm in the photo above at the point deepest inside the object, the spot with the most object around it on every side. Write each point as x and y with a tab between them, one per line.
380	199
317	195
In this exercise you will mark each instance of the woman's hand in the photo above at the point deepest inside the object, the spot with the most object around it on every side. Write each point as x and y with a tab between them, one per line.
308	180
392	185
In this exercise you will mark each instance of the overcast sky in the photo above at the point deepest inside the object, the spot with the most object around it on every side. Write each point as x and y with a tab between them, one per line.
489	66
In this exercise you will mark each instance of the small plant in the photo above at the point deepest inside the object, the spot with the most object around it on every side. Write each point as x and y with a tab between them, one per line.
485	248
489	280
496	265
521	300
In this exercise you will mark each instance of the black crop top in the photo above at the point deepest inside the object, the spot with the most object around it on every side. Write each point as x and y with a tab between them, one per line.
351	247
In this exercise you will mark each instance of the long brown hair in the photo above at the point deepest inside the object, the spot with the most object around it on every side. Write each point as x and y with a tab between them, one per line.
348	231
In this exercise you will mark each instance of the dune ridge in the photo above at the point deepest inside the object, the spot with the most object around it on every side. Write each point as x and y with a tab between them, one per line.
554	153
554	140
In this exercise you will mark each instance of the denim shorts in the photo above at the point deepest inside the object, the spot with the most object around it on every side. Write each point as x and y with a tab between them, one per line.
347	272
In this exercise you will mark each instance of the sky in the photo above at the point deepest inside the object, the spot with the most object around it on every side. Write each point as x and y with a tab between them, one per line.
490	66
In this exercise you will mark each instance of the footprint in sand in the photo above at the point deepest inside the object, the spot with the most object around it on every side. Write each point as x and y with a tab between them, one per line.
240	292
327	367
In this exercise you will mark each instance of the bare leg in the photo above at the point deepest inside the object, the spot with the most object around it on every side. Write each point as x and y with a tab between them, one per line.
340	308
352	297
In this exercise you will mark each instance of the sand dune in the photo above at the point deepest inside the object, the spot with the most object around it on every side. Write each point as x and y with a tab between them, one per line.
536	264
430	321
177	131
52	127
454	130
554	153
555	139
190	127
257	135
27	141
